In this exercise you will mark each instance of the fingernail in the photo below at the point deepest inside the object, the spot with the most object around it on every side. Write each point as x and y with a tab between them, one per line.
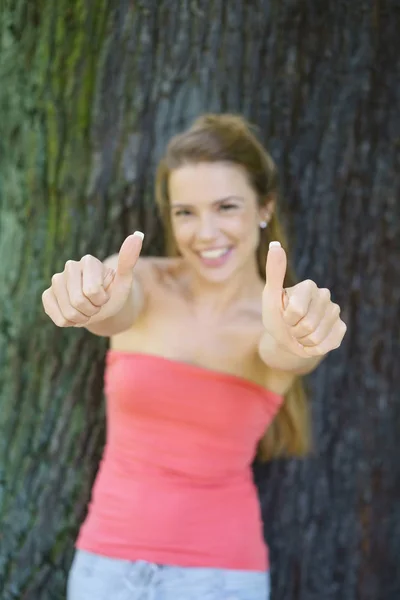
274	244
139	234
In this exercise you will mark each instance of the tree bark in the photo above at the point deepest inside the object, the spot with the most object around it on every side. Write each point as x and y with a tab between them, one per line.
90	92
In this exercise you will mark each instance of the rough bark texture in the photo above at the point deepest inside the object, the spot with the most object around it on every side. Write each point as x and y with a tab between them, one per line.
89	94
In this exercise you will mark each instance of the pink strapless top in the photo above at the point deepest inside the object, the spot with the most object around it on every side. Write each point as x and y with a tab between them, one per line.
175	484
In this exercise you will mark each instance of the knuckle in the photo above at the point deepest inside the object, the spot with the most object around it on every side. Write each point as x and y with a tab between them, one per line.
314	338
62	322
56	279
88	258
70	314
325	294
69	265
77	300
47	310
307	326
310	284
58	319
295	307
91	290
336	309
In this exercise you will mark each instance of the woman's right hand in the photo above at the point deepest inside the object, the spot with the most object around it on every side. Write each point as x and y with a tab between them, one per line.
87	291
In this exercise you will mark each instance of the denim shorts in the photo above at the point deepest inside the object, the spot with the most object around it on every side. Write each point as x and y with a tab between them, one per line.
95	577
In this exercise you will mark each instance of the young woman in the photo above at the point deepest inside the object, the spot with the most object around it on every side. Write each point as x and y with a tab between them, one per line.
204	371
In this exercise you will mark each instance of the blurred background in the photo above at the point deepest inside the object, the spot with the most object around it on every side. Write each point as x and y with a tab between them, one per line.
90	92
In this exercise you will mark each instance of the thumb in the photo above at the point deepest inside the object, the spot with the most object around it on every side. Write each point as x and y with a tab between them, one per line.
129	253
276	267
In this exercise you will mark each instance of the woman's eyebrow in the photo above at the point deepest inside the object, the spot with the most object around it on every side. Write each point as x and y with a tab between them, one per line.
240	198
218	201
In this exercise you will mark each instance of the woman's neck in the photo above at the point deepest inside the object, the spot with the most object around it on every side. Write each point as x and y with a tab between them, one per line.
220	297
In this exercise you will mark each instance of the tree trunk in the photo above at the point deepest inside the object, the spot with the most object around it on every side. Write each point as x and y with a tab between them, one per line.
89	94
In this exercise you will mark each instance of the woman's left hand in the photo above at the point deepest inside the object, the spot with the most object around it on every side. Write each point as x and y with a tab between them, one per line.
302	319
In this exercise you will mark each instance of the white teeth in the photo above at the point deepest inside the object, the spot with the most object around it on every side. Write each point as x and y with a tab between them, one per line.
214	253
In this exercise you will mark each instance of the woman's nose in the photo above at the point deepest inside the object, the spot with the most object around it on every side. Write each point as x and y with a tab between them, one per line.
207	229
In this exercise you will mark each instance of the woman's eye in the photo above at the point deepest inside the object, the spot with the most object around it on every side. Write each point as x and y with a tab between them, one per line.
182	213
227	206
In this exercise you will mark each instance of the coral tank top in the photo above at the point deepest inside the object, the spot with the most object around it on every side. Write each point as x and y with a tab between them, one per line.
175	484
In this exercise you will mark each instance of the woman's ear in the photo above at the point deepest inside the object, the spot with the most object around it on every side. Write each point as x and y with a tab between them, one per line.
267	208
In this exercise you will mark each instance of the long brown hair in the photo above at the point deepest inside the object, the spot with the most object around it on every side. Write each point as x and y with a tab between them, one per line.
230	138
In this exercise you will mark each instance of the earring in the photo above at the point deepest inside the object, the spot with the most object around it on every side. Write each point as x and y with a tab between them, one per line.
263	224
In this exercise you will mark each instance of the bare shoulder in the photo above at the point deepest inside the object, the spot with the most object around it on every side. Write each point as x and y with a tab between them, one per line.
149	266
165	271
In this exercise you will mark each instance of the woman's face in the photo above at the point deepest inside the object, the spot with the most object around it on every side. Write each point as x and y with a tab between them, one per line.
215	218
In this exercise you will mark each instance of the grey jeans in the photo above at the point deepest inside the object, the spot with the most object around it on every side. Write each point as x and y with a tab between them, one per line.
95	577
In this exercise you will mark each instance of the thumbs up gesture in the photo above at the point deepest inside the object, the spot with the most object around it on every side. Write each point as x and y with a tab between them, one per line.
302	319
87	292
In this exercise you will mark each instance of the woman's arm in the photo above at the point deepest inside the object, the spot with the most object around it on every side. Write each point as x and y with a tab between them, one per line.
301	323
132	308
276	357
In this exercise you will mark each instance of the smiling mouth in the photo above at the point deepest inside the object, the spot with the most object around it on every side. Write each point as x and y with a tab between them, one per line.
215	258
214	254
